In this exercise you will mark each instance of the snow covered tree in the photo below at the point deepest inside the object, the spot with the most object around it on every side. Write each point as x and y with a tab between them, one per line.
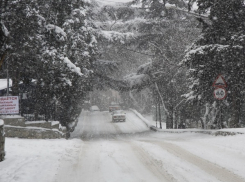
52	43
164	31
219	50
3	33
114	61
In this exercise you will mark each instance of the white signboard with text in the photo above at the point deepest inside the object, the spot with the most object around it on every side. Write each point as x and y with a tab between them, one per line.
9	105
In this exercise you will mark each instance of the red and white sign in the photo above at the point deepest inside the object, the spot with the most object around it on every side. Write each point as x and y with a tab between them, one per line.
220	82
9	105
220	93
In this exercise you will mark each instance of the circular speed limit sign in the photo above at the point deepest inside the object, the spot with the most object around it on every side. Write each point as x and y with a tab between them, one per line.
220	93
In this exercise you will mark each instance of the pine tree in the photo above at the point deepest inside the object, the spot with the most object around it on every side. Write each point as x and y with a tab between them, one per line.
52	43
219	50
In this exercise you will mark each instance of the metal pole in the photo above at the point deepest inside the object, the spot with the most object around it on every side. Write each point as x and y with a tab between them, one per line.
156	114
7	78
221	118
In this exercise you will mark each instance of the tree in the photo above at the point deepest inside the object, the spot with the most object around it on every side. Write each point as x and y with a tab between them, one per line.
112	38
52	43
165	31
219	50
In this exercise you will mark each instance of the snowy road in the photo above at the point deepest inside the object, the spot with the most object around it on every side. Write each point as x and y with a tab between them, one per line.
94	125
129	152
102	151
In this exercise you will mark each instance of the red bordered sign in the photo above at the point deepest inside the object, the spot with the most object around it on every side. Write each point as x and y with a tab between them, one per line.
220	82
220	93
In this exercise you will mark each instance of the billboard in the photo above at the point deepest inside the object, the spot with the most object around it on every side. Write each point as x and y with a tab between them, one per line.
9	105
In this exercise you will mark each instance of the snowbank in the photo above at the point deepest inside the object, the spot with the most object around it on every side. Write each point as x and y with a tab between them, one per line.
1	122
141	117
3	83
10	116
29	160
16	126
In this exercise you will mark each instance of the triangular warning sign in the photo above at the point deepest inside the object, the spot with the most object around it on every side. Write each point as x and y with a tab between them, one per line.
220	82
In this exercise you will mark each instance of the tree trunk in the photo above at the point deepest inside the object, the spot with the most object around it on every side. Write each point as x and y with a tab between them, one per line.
169	123
160	118
15	83
175	119
234	123
204	120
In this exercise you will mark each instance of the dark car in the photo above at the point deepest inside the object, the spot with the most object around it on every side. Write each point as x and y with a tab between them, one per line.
114	107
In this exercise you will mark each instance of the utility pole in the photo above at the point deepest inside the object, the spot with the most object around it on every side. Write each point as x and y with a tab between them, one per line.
156	113
7	77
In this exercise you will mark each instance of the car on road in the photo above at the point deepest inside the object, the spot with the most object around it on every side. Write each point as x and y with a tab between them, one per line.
94	108
114	107
118	116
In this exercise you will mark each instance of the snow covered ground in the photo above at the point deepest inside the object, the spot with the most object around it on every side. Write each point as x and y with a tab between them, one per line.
100	150
29	160
150	120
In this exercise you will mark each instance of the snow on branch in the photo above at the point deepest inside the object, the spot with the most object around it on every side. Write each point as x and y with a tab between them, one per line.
169	6
59	31
134	80
202	50
81	11
116	36
145	68
189	96
72	66
4	29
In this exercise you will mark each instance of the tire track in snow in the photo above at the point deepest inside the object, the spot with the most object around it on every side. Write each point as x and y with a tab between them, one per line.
218	172
153	165
82	169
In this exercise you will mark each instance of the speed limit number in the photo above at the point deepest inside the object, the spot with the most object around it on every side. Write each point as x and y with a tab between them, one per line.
220	93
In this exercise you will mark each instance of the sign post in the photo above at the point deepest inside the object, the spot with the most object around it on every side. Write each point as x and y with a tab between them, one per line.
220	94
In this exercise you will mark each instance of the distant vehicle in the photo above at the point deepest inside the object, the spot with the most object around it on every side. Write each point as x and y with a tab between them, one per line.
94	108
114	107
118	115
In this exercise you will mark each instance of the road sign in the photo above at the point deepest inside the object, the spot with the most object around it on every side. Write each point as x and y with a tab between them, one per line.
220	93
9	105
220	82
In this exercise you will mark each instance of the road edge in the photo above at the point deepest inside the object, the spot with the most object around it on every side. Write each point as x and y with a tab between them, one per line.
222	132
